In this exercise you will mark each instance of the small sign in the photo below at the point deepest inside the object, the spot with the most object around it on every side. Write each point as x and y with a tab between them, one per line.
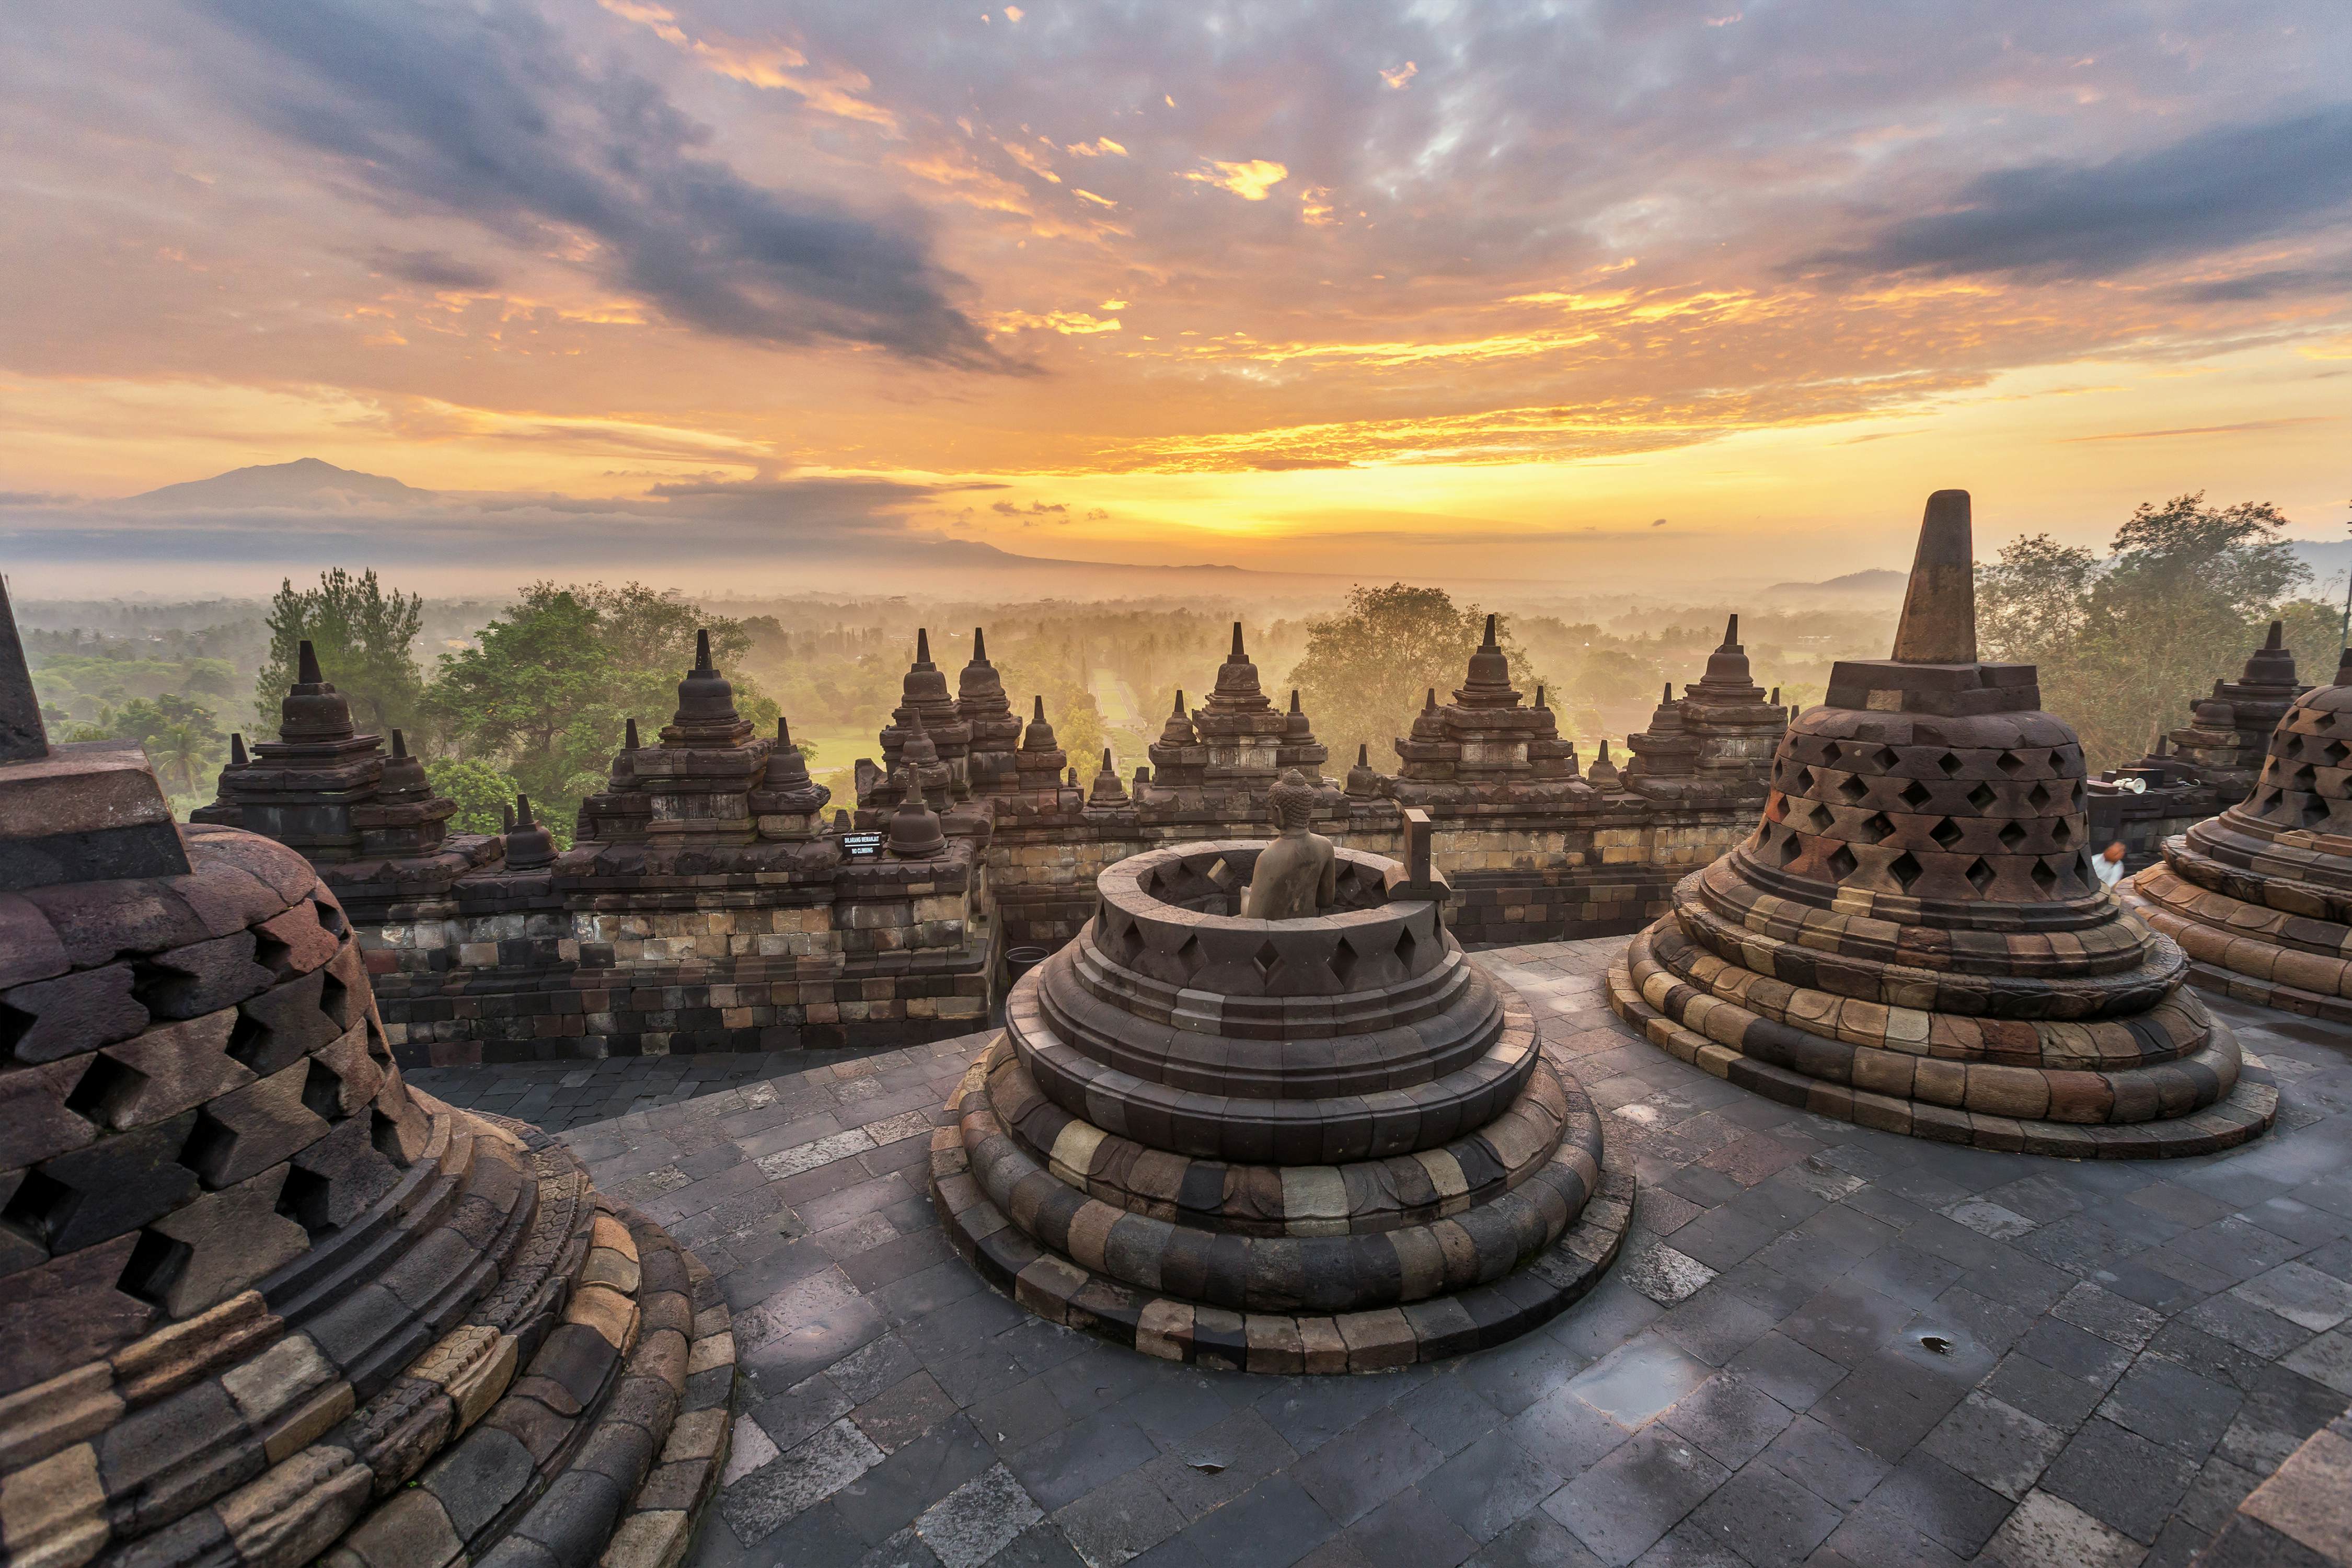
861	845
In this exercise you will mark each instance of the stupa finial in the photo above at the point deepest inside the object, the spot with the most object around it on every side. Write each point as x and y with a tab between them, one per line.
1939	611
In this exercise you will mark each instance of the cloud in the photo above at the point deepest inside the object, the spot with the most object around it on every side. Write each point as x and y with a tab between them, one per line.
486	114
33	498
2273	283
1397	79
2241	427
2207	192
1036	508
1253	181
433	268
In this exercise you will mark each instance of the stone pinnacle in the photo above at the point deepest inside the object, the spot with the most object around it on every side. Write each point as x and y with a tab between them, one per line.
629	737
1037	710
2277	639
1940	610
305	659
1490	633
1237	655
979	645
922	645
23	734
237	756
399	744
702	649
1731	631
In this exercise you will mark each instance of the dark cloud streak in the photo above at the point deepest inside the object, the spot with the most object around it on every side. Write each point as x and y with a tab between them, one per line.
2203	195
484	111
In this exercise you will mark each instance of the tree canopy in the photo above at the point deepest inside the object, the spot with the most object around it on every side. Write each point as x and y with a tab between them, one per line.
1368	670
366	639
548	690
2124	642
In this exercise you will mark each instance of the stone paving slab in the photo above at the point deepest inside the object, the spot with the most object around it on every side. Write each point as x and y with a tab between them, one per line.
1823	1344
560	1096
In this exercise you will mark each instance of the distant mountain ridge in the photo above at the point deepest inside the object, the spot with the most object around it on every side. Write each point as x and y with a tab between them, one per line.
304	482
1876	581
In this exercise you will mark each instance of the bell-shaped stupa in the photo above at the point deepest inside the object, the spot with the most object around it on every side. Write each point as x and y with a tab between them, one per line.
2261	895
1913	938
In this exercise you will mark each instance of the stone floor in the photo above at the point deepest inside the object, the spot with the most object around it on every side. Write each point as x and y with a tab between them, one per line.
560	1096
1823	1344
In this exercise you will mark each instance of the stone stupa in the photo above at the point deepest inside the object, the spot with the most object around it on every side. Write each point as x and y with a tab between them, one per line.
261	1303
1320	1144
1914	938
2261	895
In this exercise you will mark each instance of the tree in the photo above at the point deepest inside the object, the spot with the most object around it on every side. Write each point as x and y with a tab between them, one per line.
2124	643
183	740
364	639
481	791
1367	670
550	687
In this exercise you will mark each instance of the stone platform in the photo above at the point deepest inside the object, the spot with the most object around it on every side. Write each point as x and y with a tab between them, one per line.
1822	1344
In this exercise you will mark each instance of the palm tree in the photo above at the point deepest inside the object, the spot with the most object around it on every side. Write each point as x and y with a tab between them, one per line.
179	748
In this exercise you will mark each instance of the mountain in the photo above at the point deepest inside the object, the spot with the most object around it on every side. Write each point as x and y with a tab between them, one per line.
1876	582
304	482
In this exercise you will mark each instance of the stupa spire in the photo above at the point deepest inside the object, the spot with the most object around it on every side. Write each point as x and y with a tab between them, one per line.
1939	609
22	733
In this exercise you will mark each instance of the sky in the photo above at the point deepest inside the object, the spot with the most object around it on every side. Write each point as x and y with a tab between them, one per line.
720	293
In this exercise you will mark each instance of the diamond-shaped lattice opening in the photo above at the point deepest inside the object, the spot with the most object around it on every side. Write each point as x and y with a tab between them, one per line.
1266	959
1407	946
322	1091
2326	721
2010	763
1223	873
1904	870
2012	835
330	918
1852	787
2314	812
1819	817
1915	794
305	1198
2061	833
1980	876
1804	780
1951	764
1981	797
2044	877
154	1266
2037	797
1946	832
1789	847
106	1087
1874	828
1188	957
2332	755
1131	945
1841	863
40	1206
1343	962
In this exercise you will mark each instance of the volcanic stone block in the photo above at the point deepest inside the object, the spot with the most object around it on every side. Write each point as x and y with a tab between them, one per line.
287	1023
53	1019
35	1120
170	1069
111	1187
203	976
254	1127
232	1239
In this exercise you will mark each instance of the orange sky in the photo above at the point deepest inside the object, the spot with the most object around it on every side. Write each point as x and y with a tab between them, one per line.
1510	291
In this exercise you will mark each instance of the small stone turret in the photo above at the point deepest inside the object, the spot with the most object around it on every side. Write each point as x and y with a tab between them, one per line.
1041	758
788	804
1603	773
1486	748
1108	793
528	846
1177	733
1717	740
924	692
695	787
325	789
992	767
1239	740
1363	782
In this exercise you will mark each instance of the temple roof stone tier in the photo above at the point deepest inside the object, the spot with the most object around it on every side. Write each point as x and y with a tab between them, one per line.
1913	937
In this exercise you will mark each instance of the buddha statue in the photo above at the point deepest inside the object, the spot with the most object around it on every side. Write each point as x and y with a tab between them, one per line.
1297	874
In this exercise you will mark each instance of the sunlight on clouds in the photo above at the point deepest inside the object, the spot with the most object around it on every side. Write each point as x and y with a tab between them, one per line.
770	65
1098	147
1397	79
1076	323
1253	181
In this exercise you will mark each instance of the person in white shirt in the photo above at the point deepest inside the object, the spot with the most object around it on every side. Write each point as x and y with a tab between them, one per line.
2109	867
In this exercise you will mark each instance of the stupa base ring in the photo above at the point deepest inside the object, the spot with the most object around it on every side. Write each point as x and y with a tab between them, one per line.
1175	1328
2246	1113
2220	931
